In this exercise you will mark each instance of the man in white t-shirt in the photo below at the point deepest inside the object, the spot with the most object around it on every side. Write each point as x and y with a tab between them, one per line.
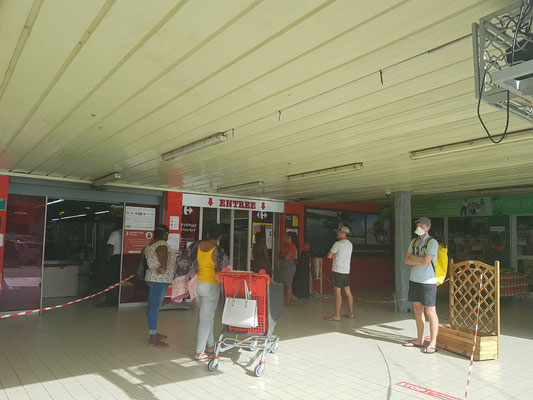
112	271
341	253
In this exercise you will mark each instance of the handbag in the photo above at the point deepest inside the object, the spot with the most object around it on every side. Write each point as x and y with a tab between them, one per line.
239	312
140	274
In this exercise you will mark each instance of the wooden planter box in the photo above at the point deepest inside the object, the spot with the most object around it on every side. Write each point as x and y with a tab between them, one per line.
456	341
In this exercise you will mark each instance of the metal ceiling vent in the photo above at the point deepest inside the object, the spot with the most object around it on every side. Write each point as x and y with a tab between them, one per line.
503	59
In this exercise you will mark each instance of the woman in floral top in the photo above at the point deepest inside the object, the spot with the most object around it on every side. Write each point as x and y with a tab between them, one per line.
161	261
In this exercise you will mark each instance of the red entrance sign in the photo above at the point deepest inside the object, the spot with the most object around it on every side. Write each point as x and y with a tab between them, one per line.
429	392
135	241
247	205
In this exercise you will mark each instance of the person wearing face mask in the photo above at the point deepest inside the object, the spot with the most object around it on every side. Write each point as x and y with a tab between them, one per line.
423	284
204	258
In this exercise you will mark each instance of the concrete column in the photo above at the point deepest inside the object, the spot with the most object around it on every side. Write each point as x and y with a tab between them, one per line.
402	234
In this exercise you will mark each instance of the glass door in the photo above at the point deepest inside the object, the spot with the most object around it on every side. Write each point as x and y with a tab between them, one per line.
524	246
209	216
241	234
20	288
225	222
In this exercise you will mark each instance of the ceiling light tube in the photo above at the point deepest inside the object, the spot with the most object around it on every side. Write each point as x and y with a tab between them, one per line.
74	216
511	137
55	202
115	176
195	146
341	169
243	186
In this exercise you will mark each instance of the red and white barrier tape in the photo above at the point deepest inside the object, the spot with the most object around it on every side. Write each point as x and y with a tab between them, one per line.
69	303
475	335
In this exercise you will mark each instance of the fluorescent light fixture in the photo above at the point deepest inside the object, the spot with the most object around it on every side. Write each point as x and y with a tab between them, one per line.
55	201
115	176
243	186
195	146
74	216
341	169
511	137
101	212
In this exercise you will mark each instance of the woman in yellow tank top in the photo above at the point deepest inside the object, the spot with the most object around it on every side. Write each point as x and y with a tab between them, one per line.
206	263
206	258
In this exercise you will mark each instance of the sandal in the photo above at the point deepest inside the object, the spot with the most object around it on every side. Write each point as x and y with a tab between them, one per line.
157	344
412	344
348	315
160	336
201	357
331	319
430	350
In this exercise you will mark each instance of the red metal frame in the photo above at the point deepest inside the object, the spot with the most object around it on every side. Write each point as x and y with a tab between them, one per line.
232	282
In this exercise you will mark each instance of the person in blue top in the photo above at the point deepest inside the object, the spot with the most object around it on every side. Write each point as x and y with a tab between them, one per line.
422	257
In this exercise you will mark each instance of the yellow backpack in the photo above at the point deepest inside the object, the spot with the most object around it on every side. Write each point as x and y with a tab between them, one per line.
441	266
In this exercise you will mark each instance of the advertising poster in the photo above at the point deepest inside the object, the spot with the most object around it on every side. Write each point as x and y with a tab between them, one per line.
267	228
190	220
369	233
139	227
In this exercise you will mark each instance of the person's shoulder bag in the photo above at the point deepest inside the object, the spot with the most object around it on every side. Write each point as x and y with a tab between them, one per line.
140	274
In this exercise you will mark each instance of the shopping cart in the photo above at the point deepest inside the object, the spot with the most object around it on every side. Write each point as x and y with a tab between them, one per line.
269	298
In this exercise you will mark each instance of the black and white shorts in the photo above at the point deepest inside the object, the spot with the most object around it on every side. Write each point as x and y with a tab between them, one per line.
340	280
425	293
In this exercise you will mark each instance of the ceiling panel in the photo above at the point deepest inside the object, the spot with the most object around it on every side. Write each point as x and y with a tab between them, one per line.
94	87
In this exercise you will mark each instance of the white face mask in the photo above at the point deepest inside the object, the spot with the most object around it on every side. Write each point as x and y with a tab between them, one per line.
419	231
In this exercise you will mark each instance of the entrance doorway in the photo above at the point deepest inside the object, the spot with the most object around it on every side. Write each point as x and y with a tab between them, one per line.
77	257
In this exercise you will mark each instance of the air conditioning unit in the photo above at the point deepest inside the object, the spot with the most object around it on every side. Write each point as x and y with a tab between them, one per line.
503	59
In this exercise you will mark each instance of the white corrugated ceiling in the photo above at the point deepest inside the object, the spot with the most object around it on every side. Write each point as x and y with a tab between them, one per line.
93	87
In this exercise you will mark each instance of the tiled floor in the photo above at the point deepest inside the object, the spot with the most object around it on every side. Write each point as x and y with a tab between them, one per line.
83	352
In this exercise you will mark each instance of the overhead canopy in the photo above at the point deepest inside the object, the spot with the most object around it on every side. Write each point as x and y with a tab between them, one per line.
95	87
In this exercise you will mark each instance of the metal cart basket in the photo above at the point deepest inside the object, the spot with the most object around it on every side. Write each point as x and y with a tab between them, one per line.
269	298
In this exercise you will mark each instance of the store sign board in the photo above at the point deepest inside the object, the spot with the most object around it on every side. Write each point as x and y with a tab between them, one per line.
140	219
139	225
513	204
197	200
469	207
497	205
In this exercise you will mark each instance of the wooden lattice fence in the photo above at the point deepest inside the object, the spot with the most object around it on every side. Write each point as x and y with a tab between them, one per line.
464	296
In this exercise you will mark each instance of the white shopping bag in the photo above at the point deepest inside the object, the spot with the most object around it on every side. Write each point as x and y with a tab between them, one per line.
241	313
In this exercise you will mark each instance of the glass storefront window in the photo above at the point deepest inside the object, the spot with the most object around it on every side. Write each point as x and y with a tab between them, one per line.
225	222
526	267
524	235
23	256
209	217
468	239
240	240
